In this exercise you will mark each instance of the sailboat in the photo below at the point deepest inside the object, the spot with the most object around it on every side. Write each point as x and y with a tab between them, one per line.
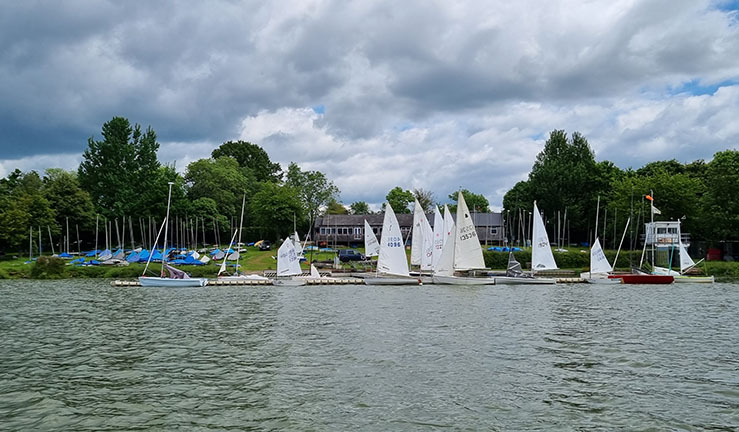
439	237
238	275
288	265
392	264
175	277
461	252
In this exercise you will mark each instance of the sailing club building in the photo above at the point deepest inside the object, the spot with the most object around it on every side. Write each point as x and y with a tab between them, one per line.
348	230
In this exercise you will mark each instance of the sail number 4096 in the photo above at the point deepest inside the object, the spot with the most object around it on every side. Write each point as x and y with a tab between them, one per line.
394	242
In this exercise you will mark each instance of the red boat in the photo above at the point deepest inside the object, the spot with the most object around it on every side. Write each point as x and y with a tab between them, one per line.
646	279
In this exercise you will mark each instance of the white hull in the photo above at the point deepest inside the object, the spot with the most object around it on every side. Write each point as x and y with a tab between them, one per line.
148	281
289	282
243	277
507	280
461	280
390	281
603	281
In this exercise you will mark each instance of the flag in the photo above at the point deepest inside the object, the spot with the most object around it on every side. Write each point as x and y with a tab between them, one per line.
655	210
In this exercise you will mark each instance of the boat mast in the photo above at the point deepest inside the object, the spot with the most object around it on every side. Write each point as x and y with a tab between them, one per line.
241	225
166	227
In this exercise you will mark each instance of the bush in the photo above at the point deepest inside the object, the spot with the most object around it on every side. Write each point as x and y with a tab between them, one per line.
48	268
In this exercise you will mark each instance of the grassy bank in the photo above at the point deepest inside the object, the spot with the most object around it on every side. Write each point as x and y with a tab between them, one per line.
256	261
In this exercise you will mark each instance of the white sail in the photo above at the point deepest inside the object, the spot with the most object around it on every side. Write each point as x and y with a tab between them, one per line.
445	266
467	250
287	260
685	261
371	245
598	261
297	245
392	259
314	272
439	237
428	246
448	223
541	252
417	237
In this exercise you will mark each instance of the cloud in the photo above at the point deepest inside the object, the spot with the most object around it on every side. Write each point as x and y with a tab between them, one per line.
434	95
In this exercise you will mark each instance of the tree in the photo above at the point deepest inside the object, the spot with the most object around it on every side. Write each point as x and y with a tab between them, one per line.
477	203
22	206
313	188
721	203
221	180
250	156
399	199
116	170
425	198
565	177
68	199
359	207
274	209
335	207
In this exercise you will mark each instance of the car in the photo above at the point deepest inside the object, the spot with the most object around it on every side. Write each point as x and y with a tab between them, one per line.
265	245
350	255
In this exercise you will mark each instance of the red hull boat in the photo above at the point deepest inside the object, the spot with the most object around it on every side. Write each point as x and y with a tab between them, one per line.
646	279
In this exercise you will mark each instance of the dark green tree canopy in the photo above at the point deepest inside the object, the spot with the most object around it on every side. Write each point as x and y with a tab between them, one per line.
250	156
359	207
721	201
477	203
274	209
68	199
335	207
313	189
221	180
117	169
400	199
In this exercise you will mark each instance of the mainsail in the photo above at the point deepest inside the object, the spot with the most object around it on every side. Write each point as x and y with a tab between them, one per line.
467	250
598	261
541	252
439	237
392	259
287	259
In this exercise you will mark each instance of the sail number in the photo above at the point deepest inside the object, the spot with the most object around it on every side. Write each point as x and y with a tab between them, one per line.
394	241
467	233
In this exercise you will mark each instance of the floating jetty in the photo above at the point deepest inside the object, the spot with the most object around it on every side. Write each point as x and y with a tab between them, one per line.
317	281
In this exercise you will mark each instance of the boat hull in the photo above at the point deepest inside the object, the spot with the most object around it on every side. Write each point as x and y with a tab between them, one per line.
461	280
289	282
507	280
644	279
390	281
694	279
148	281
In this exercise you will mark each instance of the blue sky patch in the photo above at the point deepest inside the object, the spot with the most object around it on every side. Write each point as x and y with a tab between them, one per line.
695	88
319	109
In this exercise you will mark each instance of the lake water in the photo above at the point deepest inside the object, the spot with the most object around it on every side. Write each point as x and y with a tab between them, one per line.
82	355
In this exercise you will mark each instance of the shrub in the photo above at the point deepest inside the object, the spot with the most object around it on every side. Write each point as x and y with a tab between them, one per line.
48	268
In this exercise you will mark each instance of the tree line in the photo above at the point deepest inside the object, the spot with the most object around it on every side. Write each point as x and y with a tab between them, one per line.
566	178
120	180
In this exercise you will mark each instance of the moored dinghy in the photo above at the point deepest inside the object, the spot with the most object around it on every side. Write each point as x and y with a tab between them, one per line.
288	265
392	264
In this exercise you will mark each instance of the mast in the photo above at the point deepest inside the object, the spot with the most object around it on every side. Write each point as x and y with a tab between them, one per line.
51	240
97	220
166	226
241	226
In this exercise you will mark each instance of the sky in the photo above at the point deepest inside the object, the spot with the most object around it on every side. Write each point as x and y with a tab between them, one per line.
436	95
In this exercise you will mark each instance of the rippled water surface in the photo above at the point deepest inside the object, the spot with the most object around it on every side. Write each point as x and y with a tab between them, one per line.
82	355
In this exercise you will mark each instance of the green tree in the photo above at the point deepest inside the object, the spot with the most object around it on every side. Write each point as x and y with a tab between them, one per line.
425	198
274	208
68	199
477	203
565	176
221	180
313	188
359	207
23	206
116	170
335	207
721	201
251	156
400	199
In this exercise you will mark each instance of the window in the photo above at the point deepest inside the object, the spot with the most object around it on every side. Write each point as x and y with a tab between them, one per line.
493	230
323	230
